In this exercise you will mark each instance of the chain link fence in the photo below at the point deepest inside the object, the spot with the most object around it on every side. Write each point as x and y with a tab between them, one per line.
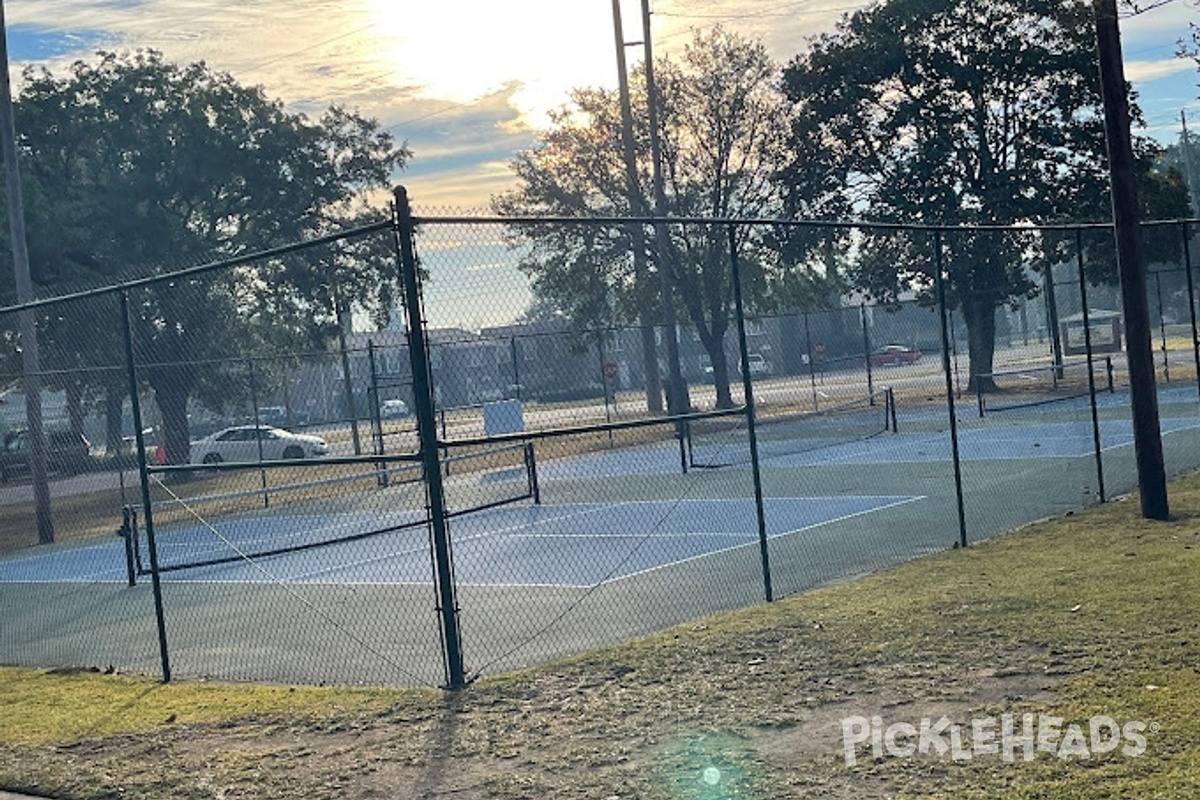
534	455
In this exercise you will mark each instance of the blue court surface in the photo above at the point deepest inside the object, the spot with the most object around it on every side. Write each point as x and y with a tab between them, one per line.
569	545
555	545
995	439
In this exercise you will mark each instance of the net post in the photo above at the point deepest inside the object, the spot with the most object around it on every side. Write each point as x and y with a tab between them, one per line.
891	404
691	451
134	535
125	532
862	314
535	490
1108	369
979	394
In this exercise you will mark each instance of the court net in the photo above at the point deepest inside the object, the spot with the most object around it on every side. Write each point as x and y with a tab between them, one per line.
725	442
1039	385
207	531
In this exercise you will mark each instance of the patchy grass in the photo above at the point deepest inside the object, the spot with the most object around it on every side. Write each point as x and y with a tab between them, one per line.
1092	614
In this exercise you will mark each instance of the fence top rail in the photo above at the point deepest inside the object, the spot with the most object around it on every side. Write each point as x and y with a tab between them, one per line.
789	223
201	269
382	225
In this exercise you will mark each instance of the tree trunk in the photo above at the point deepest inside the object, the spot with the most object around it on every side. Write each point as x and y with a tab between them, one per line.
721	379
74	390
114	403
654	400
980	318
171	398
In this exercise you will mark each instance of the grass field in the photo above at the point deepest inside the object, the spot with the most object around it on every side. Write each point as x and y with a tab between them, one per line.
1092	614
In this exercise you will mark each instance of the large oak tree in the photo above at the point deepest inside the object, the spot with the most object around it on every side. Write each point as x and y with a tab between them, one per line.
951	113
138	166
722	126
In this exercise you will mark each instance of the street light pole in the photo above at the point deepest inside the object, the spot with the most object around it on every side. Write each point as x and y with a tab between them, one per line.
26	323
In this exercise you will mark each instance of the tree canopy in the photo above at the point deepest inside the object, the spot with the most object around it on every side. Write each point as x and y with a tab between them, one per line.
940	112
722	125
137	166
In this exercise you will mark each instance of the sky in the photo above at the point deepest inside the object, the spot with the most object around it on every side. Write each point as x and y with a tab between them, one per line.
467	83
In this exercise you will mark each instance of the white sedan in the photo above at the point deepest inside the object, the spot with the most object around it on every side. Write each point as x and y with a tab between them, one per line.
242	443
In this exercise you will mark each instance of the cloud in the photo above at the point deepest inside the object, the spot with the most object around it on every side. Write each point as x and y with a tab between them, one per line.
1144	71
465	82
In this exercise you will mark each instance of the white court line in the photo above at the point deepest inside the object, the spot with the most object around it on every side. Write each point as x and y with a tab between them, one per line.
844	517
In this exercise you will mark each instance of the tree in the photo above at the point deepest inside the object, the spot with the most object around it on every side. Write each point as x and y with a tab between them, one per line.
141	166
722	123
940	112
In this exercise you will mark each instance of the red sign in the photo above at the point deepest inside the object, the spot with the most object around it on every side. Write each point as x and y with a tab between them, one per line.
610	371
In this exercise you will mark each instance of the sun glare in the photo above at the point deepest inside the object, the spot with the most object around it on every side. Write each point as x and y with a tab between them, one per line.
461	50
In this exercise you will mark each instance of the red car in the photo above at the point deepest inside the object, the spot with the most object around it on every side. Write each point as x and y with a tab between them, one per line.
893	355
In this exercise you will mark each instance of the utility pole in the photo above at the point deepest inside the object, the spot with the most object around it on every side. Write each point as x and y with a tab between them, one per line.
1187	164
637	207
1131	265
26	323
678	400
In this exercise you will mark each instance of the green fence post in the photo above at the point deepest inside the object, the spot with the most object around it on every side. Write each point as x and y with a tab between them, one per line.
1191	290
748	388
941	297
403	231
144	477
1087	344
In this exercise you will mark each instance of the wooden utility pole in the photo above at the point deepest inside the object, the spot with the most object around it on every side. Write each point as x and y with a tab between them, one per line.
637	207
26	323
1186	145
680	402
1131	265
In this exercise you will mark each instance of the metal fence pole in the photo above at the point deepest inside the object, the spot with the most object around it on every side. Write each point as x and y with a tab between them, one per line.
862	314
748	388
427	433
1087	343
1162	328
812	367
262	473
1191	291
144	479
941	297
516	369
343	322
1052	313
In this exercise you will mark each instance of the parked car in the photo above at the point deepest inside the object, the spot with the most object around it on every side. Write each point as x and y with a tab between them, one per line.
393	409
66	452
241	443
758	365
893	355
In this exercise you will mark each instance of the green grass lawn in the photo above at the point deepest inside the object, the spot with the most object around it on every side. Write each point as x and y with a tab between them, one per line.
1091	615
